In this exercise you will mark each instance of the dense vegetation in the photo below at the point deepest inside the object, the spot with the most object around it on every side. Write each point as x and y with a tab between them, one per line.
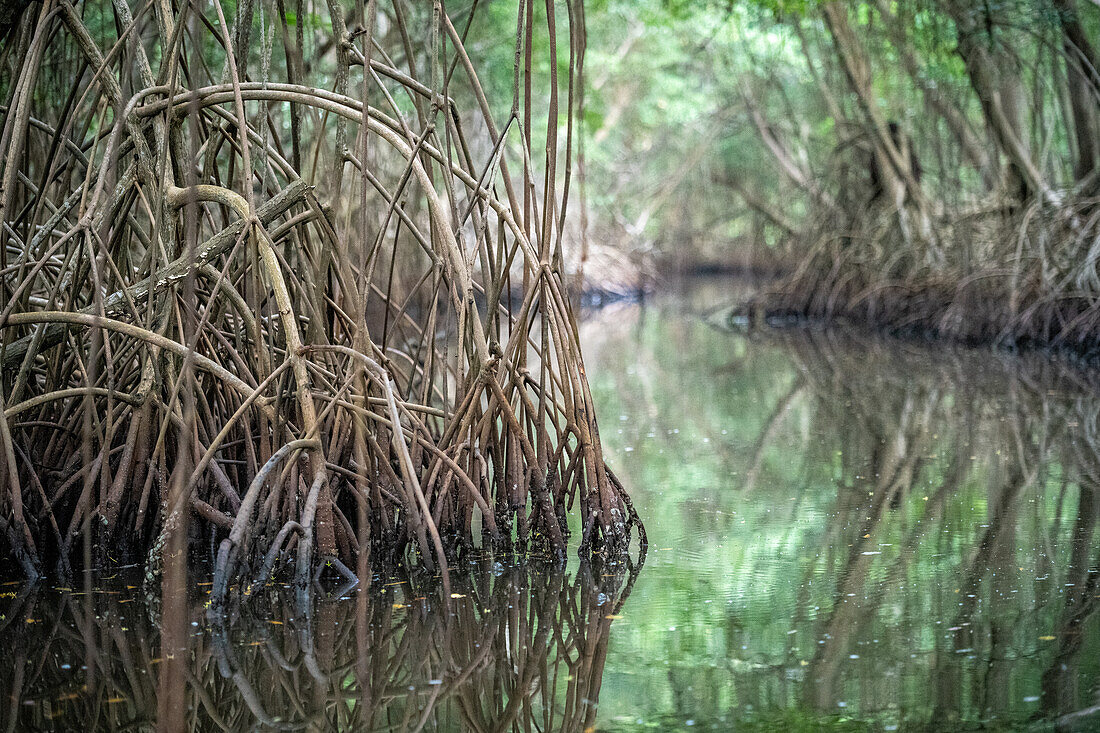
282	268
971	603
920	164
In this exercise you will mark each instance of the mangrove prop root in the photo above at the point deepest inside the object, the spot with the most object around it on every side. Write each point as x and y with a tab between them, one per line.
318	318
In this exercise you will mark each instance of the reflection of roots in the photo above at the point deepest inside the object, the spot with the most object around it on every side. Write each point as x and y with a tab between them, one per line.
520	648
893	408
381	368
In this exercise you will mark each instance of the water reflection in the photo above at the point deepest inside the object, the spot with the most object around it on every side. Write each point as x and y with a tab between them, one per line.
845	533
1004	459
509	649
853	533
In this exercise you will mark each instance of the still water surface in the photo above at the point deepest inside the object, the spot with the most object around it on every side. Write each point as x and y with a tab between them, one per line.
845	534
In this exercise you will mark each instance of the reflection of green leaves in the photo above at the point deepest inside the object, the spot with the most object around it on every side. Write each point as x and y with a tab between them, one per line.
740	587
791	721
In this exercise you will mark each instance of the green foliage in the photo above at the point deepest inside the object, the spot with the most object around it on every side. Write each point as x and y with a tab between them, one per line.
668	77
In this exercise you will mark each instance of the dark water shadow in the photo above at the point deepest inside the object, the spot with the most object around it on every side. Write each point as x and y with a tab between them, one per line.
510	648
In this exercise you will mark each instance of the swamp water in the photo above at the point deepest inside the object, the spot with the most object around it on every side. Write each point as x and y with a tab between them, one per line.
845	534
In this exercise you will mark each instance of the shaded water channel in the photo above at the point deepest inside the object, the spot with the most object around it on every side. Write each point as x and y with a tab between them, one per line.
845	533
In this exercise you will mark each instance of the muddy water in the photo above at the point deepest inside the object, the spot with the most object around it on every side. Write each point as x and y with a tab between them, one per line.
845	534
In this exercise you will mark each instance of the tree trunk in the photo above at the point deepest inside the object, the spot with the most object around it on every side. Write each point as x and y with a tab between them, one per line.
1081	72
992	76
